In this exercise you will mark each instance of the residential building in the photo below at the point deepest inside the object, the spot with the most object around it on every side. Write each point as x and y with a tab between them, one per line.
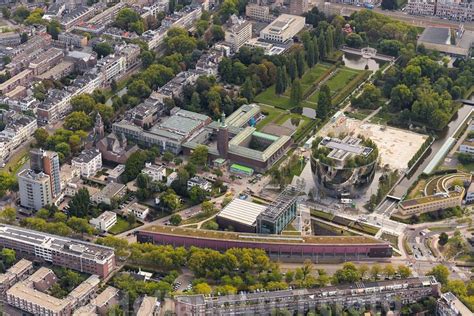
431	203
449	305
421	7
467	147
283	28
112	67
46	60
10	39
140	211
462	11
115	174
302	301
68	40
61	251
109	192
258	12
298	7
14	274
199	182
89	162
67	174
470	194
35	189
174	87
18	129
171	177
441	39
149	306
76	16
237	32
47	162
104	221
156	173
58	72
23	78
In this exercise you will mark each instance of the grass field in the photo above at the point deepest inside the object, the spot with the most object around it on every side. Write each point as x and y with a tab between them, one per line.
121	226
312	75
337	82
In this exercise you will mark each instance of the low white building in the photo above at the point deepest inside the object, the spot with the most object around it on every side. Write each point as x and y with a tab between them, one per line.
89	162
140	211
104	221
109	192
171	177
200	182
156	173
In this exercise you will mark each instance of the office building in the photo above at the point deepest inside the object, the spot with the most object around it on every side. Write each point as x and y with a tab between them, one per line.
140	211
258	12
35	189
61	251
283	28
47	162
237	32
467	147
438	201
89	162
241	215
104	221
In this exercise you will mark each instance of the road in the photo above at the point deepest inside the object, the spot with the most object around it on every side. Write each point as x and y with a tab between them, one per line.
422	21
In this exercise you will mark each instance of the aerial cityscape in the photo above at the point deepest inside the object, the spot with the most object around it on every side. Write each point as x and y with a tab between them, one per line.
236	157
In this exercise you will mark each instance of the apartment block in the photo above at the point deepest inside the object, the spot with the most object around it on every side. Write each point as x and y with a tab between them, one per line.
104	221
19	128
21	79
10	39
65	252
76	16
238	32
47	162
458	11
467	147
258	12
16	273
298	7
89	162
35	189
112	67
68	40
46	60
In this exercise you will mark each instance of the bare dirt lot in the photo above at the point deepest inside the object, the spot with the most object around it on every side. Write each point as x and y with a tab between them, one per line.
396	146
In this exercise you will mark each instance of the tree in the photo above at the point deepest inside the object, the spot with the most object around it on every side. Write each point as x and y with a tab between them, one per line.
80	204
202	288
126	18
363	269
247	90
296	95
168	156
83	102
207	207
20	14
131	219
6	13
375	272
441	273
197	195
292	68
103	49
354	40
8	256
63	149
53	28
389	271
348	274
443	238
300	64
80	225
41	135
401	97
8	215
170	200
199	156
404	271
324	102
147	58
134	165
310	57
7	182
175	219
218	33
78	121
139	88
280	82
371	98
23	38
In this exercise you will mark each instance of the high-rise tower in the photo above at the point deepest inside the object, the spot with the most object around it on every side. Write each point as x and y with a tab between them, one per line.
223	138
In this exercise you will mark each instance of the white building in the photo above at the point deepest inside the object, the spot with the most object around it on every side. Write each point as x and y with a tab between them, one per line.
467	147
140	211
89	162
156	173
109	192
104	221
35	189
283	28
200	182
171	177
238	32
19	128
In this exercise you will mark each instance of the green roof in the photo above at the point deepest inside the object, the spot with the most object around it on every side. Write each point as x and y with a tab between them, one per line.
265	136
219	160
241	168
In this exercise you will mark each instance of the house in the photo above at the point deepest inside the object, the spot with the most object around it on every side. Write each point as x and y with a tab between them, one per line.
156	173
140	211
104	221
89	162
109	192
200	182
172	176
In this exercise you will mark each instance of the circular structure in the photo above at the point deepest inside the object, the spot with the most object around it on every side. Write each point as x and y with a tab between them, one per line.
368	52
343	167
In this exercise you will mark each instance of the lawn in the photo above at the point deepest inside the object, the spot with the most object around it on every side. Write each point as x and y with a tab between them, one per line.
312	75
342	77
122	225
273	115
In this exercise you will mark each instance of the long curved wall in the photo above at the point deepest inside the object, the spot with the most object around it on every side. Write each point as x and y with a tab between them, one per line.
334	181
375	250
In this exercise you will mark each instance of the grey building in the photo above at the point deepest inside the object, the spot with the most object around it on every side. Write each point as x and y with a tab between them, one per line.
35	189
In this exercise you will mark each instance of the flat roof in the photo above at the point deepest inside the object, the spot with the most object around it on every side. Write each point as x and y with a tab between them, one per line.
261	238
242	211
436	35
147	306
22	291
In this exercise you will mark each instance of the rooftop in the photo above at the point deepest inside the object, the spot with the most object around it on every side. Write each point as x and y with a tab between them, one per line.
242	211
106	216
342	149
222	235
87	155
436	35
147	306
72	247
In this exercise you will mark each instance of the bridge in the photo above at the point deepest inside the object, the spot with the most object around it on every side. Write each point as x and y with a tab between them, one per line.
359	53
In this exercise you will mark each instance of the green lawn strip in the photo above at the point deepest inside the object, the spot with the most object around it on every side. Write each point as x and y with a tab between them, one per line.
334	229
349	86
199	217
269	97
272	114
121	226
321	214
392	239
365	228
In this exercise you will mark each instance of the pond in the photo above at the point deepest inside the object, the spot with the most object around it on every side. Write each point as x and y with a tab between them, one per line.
357	62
